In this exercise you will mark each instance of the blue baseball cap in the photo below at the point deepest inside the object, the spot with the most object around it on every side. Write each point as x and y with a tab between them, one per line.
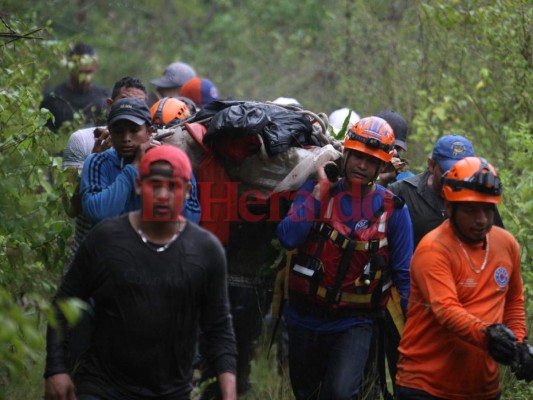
451	148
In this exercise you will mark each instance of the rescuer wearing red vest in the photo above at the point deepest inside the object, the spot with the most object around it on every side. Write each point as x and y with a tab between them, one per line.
353	240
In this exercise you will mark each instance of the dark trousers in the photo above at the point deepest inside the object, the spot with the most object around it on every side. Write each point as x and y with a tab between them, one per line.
248	307
247	310
328	365
405	393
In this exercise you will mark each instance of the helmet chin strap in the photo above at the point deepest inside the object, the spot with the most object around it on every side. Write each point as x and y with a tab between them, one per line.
376	177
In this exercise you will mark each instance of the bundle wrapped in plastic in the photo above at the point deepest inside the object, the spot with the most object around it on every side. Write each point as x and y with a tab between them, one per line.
281	172
245	156
180	137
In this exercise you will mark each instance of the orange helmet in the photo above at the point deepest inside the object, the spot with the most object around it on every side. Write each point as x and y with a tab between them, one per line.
168	112
472	179
373	136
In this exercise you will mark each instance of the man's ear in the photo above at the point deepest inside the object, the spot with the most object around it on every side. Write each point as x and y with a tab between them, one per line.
431	165
109	102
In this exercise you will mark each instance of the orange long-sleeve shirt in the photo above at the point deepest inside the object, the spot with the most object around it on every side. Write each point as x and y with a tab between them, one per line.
443	350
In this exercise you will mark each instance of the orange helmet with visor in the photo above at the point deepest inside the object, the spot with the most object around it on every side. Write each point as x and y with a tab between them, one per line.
373	136
472	179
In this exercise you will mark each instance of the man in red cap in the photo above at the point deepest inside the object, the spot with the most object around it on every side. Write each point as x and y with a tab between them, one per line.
156	280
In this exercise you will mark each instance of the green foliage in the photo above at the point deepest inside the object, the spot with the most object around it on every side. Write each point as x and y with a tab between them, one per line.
518	204
20	336
342	132
34	231
72	309
460	66
482	93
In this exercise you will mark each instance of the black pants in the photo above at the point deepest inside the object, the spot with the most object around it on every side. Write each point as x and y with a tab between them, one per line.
405	393
248	307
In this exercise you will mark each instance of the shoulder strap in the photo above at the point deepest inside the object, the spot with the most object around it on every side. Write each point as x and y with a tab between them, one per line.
197	132
399	202
333	293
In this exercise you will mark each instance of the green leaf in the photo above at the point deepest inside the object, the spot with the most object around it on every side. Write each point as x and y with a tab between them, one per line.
72	309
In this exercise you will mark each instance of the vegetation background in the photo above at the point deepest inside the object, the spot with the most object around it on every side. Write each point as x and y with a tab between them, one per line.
457	66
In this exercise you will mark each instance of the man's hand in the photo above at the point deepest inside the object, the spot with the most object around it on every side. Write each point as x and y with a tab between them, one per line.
227	382
143	148
523	368
328	178
102	142
59	387
502	344
391	170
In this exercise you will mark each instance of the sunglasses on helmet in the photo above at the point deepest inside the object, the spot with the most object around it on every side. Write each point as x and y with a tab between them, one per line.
481	182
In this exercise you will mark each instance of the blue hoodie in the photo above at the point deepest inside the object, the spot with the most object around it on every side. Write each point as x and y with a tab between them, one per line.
108	188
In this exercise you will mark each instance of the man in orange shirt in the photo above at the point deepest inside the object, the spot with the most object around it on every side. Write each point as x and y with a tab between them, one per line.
466	309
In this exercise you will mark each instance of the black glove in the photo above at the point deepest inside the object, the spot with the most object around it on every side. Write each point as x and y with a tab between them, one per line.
502	344
523	368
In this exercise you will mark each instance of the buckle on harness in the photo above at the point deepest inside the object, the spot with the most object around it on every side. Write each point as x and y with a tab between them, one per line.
326	230
373	246
368	270
338	238
332	296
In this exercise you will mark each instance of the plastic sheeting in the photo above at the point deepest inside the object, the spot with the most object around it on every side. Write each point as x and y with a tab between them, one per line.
285	171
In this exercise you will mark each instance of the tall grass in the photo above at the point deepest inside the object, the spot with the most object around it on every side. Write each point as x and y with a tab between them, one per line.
268	383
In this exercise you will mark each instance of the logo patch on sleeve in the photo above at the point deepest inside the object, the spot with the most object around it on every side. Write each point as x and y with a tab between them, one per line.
501	276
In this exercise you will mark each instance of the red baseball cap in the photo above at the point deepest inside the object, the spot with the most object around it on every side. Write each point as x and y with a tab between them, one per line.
177	158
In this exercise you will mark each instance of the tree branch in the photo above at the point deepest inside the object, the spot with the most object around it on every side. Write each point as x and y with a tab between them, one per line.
12	35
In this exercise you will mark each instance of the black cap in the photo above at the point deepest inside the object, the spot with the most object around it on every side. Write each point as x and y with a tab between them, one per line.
132	109
398	125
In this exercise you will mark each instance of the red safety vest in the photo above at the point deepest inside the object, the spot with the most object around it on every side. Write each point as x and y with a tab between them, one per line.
366	281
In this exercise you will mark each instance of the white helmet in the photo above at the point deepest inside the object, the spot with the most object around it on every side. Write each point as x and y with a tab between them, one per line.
337	118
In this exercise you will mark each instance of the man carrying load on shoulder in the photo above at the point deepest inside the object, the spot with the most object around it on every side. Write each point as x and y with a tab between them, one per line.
353	240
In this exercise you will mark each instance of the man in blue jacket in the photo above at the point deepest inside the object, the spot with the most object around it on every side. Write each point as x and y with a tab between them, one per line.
108	180
353	241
